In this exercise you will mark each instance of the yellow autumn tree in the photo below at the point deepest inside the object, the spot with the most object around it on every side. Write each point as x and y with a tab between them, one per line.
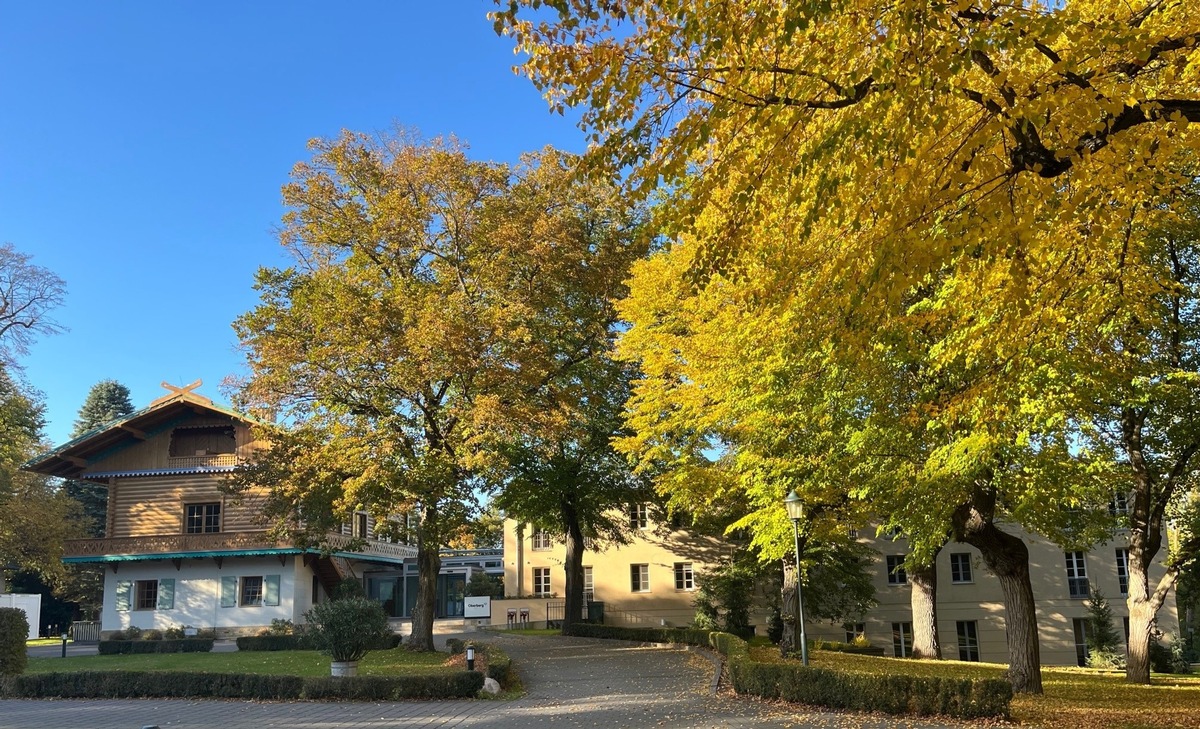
965	174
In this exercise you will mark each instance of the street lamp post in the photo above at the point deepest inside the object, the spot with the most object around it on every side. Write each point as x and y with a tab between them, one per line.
795	512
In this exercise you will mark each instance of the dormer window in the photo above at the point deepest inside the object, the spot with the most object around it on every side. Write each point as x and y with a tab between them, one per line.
202	441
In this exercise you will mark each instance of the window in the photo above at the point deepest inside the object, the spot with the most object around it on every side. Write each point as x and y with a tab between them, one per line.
146	595
1118	504
1123	570
202	518
895	570
251	592
638	516
205	441
541	540
684	579
361	524
960	568
541	581
968	640
902	640
1077	581
854	534
854	631
639	577
589	586
1081	648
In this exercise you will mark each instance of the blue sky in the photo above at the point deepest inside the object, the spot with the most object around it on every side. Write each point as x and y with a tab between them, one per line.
143	146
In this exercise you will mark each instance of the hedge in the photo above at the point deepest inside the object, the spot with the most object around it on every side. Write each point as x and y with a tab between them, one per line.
297	643
499	664
174	645
892	694
14	627
172	684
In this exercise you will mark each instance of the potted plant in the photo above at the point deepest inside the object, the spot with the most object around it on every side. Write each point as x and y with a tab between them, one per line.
346	629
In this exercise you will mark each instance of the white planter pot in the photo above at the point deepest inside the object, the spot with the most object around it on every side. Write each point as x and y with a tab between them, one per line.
343	668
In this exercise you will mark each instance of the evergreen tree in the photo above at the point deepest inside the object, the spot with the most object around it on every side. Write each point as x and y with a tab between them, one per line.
105	402
1103	641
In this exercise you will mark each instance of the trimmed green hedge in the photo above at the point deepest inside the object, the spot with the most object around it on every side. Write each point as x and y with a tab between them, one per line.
14	627
298	643
890	693
176	645
172	684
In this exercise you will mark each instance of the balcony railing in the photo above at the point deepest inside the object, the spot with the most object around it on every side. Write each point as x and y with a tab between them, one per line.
221	542
216	459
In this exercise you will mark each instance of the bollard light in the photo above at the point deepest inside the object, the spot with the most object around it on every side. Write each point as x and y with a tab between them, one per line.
64	646
470	658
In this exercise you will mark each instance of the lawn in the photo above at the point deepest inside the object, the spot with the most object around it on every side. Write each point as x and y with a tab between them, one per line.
398	662
44	641
1074	698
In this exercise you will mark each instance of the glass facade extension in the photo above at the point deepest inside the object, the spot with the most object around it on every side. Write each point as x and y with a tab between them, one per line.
398	593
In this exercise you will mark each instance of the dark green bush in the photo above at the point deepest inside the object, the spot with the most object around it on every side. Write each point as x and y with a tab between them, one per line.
178	645
455	646
152	634
892	694
499	665
14	628
169	684
348	627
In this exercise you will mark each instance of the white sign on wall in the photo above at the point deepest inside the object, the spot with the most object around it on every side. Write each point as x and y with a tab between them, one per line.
477	607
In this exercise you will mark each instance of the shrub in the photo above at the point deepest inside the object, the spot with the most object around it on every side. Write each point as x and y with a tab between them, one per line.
171	684
176	645
133	633
117	635
499	665
14	627
481	584
175	632
347	628
455	646
152	634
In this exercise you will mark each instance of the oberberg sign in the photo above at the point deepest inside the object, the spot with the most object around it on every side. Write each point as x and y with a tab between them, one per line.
477	607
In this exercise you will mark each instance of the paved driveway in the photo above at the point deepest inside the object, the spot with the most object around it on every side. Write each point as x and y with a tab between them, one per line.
571	682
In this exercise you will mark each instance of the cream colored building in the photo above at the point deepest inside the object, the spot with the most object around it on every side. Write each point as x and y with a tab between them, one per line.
970	602
652	581
649	581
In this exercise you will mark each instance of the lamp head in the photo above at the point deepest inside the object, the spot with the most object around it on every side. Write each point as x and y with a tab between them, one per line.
794	505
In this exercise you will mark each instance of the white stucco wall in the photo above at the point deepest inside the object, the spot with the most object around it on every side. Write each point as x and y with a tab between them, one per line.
198	593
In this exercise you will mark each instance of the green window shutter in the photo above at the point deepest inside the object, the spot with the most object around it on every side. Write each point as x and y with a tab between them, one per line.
228	591
166	594
271	590
124	590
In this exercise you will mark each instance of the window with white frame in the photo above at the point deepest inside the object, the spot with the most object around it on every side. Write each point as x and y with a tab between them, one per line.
684	577
541	540
1077	579
960	568
968	640
1119	504
902	640
639	577
202	518
895	570
854	631
639	516
589	585
1123	570
541	581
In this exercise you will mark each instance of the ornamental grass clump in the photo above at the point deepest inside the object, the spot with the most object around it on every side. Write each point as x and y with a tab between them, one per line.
347	628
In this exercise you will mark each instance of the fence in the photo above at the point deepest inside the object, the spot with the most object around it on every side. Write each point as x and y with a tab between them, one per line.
593	612
86	631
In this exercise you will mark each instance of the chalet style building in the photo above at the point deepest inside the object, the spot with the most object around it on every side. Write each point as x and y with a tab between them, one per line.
181	553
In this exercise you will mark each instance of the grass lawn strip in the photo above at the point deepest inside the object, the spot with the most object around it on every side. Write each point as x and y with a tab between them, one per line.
1074	698
398	662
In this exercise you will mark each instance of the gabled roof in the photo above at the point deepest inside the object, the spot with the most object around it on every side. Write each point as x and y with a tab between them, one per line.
71	459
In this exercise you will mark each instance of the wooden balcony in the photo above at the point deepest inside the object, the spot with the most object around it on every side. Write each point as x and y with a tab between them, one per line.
203	461
177	545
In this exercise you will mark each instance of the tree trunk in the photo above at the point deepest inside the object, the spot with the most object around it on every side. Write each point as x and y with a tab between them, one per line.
429	564
926	642
1008	558
1143	614
789	644
573	567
